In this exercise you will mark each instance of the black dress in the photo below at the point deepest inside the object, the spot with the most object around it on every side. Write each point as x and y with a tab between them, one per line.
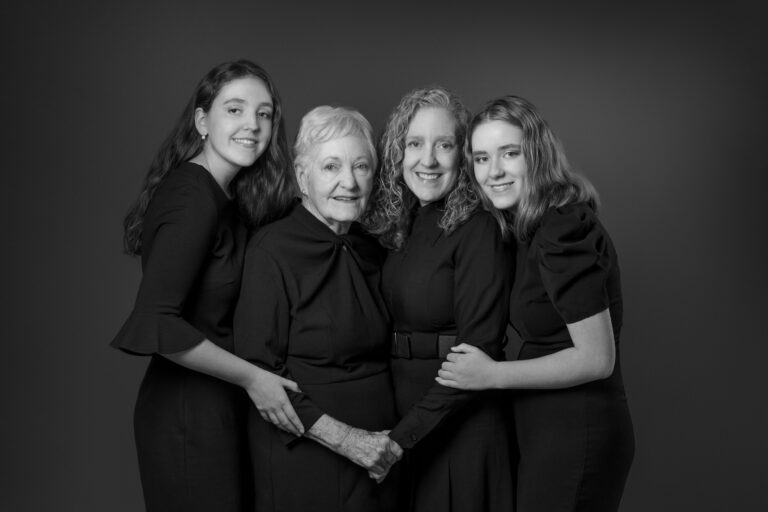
449	285
311	310
189	427
576	444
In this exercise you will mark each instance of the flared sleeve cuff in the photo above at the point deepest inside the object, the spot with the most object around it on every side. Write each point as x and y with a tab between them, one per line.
150	333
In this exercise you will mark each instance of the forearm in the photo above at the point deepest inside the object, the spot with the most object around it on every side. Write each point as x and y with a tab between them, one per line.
207	357
565	368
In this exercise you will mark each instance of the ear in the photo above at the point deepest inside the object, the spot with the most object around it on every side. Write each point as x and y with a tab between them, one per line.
201	121
301	177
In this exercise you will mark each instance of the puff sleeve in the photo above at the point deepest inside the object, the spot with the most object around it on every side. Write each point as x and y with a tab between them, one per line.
179	230
574	261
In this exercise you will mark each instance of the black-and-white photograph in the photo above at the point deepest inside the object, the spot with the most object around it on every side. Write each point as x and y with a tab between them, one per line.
385	257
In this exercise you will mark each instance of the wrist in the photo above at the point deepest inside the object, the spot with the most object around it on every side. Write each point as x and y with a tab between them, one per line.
496	375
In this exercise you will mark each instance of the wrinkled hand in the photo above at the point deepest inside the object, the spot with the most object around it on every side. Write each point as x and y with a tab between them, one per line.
395	454
467	367
373	451
267	392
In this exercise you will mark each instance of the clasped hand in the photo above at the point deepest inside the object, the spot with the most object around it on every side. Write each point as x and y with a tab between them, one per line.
466	367
374	451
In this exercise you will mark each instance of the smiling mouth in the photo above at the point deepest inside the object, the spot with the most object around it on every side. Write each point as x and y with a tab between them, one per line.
428	176
248	143
501	187
345	199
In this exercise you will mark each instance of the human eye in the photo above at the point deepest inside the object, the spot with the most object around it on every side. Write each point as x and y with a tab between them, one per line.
362	167
234	110
480	159
413	144
266	114
511	153
330	166
446	145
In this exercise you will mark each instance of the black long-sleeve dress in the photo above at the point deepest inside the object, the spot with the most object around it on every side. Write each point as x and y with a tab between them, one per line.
311	310
576	444
189	427
443	290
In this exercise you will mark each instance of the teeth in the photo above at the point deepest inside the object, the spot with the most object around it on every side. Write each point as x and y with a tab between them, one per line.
245	142
345	198
428	176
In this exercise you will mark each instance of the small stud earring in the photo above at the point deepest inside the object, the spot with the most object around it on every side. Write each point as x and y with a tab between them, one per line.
204	136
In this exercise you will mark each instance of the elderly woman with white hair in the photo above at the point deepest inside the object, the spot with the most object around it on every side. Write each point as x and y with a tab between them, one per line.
311	310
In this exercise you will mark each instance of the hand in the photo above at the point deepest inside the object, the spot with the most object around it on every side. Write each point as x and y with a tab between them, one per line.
467	367
267	392
373	451
395	451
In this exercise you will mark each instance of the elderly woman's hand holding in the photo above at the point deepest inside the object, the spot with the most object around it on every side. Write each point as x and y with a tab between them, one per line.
467	367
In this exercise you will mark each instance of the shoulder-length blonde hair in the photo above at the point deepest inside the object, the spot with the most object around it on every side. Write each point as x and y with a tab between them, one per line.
393	204
549	181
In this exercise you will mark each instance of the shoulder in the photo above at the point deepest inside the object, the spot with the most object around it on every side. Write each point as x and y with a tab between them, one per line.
568	224
480	224
274	235
187	184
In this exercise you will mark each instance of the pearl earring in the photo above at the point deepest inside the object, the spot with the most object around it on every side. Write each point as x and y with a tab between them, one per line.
204	136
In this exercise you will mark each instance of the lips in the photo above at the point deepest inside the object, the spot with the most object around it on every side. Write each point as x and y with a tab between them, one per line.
428	176
501	187
345	199
246	142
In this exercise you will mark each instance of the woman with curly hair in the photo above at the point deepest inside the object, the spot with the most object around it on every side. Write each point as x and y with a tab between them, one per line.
572	422
445	282
227	150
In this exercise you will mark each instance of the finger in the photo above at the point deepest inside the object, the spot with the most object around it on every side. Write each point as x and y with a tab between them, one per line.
464	347
447	383
289	384
273	418
447	366
445	373
290	413
285	423
452	357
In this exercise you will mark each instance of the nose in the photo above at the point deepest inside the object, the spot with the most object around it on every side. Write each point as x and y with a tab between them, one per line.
428	156
495	169
252	121
347	178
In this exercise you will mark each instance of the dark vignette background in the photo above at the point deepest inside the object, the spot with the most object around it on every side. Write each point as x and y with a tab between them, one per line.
662	107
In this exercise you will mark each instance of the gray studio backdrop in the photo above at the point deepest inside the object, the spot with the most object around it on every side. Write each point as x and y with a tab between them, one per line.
663	108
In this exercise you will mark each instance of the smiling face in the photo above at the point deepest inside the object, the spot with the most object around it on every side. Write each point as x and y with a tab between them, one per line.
431	155
238	125
336	181
499	165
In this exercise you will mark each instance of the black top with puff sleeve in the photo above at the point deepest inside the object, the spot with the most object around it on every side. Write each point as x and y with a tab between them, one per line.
566	273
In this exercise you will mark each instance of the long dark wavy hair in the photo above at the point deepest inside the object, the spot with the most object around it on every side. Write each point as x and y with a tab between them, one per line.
392	202
549	181
264	191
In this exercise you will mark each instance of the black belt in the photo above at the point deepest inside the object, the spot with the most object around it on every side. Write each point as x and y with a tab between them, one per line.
421	345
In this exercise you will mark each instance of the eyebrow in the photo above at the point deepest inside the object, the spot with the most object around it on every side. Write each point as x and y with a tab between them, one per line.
508	146
242	101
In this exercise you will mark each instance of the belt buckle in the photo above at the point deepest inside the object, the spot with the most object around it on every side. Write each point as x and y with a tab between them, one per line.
401	345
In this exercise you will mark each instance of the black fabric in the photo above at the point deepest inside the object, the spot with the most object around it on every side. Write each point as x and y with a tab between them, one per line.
189	427
311	310
576	444
457	284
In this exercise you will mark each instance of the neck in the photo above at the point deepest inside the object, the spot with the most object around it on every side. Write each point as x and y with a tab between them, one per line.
339	228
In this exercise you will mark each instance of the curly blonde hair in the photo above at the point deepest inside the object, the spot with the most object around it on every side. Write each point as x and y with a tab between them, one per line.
392	202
